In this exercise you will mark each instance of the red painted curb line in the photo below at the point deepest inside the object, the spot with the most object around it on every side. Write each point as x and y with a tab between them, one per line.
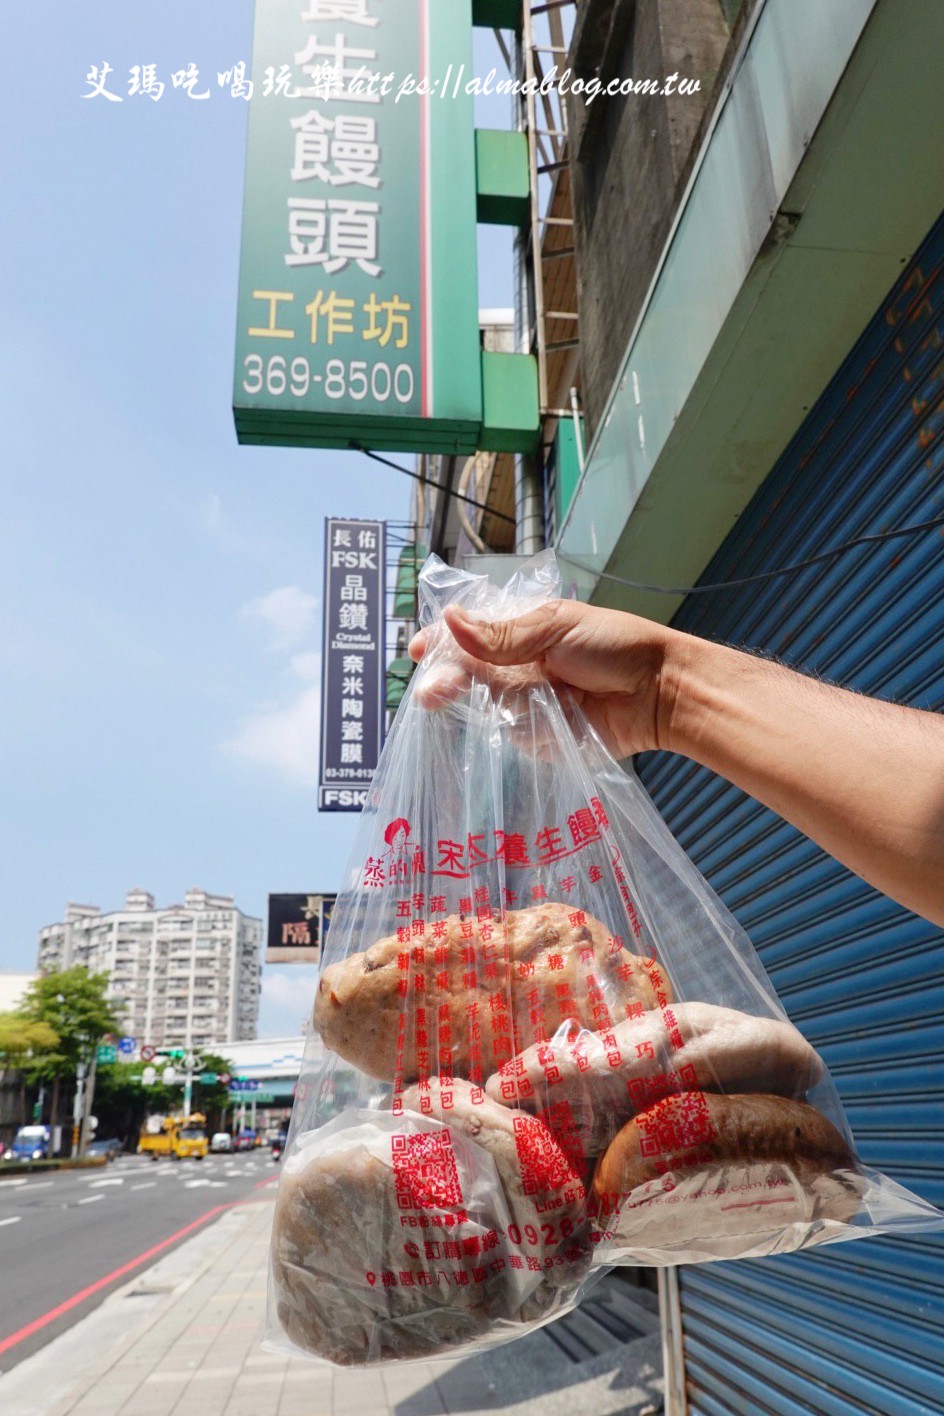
37	1323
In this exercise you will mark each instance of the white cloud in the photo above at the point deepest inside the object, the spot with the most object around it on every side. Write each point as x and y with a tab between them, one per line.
308	665
283	736
280	989
288	613
285	1007
228	536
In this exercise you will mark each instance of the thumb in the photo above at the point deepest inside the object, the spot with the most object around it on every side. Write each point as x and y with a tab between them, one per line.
517	641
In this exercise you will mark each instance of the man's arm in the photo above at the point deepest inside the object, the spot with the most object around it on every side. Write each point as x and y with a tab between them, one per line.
862	778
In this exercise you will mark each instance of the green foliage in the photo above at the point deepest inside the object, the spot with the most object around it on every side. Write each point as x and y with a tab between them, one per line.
122	1101
20	1037
73	1004
212	1099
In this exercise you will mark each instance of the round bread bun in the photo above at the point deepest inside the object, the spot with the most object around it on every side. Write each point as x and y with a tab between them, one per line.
545	1194
559	956
585	1085
395	1236
702	1176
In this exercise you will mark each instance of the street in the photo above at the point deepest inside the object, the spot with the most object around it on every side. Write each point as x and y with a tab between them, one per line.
67	1238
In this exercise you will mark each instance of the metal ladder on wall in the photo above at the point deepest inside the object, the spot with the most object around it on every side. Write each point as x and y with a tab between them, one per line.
543	119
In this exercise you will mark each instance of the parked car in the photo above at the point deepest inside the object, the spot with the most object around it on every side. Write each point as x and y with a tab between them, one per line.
246	1141
30	1143
109	1149
222	1141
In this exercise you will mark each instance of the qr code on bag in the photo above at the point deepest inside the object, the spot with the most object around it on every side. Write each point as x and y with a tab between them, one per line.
425	1175
544	1167
678	1123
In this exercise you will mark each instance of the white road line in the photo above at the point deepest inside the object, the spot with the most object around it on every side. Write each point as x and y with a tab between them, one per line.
90	1199
92	1184
18	1181
41	1184
145	1185
15	1220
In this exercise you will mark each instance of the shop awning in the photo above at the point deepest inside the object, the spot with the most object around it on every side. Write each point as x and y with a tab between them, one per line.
404	595
399	672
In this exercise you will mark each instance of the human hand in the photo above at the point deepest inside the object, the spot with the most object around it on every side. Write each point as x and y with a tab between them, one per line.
618	666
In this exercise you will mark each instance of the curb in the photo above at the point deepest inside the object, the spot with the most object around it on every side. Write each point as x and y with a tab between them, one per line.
179	1270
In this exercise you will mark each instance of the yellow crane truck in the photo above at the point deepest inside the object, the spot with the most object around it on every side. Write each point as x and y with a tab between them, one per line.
177	1137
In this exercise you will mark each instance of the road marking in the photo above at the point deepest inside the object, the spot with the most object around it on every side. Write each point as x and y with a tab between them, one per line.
41	1184
146	1185
92	1184
18	1181
37	1323
90	1199
15	1220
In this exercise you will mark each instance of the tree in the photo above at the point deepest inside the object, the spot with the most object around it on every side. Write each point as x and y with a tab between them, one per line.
73	1003
123	1101
22	1041
212	1099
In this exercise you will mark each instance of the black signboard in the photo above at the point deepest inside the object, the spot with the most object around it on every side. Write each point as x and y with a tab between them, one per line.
297	926
352	693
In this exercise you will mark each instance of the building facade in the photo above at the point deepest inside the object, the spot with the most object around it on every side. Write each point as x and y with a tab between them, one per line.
185	975
13	985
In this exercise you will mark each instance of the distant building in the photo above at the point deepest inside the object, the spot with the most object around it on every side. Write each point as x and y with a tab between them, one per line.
187	974
12	988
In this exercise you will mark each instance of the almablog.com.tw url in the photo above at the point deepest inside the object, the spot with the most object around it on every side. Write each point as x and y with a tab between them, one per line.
454	84
327	81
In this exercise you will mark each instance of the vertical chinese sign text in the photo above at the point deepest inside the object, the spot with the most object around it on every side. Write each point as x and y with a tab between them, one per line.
297	926
352	694
358	318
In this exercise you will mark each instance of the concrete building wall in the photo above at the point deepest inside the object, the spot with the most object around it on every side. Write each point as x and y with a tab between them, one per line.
12	987
630	158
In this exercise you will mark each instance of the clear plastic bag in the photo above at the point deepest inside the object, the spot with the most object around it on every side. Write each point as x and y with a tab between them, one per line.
541	1045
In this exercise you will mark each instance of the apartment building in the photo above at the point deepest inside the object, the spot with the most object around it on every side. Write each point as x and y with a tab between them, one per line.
186	975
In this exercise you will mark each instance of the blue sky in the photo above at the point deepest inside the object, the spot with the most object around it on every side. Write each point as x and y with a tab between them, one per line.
160	586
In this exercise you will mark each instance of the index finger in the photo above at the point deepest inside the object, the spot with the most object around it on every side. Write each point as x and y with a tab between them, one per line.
418	645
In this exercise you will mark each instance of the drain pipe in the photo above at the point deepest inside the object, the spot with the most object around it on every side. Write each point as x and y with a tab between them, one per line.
673	1351
529	479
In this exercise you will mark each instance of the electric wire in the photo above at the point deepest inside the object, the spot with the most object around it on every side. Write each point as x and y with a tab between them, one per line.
793	569
408	472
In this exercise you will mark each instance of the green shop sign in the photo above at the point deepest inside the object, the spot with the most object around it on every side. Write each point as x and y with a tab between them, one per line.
358	301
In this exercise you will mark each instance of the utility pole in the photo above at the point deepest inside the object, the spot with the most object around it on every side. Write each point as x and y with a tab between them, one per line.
78	1105
192	1064
188	1083
87	1102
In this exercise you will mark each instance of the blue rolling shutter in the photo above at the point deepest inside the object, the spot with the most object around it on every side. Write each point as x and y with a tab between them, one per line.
857	1328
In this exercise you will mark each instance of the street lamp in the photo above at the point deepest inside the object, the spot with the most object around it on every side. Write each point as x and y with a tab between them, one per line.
192	1064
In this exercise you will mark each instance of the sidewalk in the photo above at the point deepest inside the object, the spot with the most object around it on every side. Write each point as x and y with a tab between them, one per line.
184	1338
